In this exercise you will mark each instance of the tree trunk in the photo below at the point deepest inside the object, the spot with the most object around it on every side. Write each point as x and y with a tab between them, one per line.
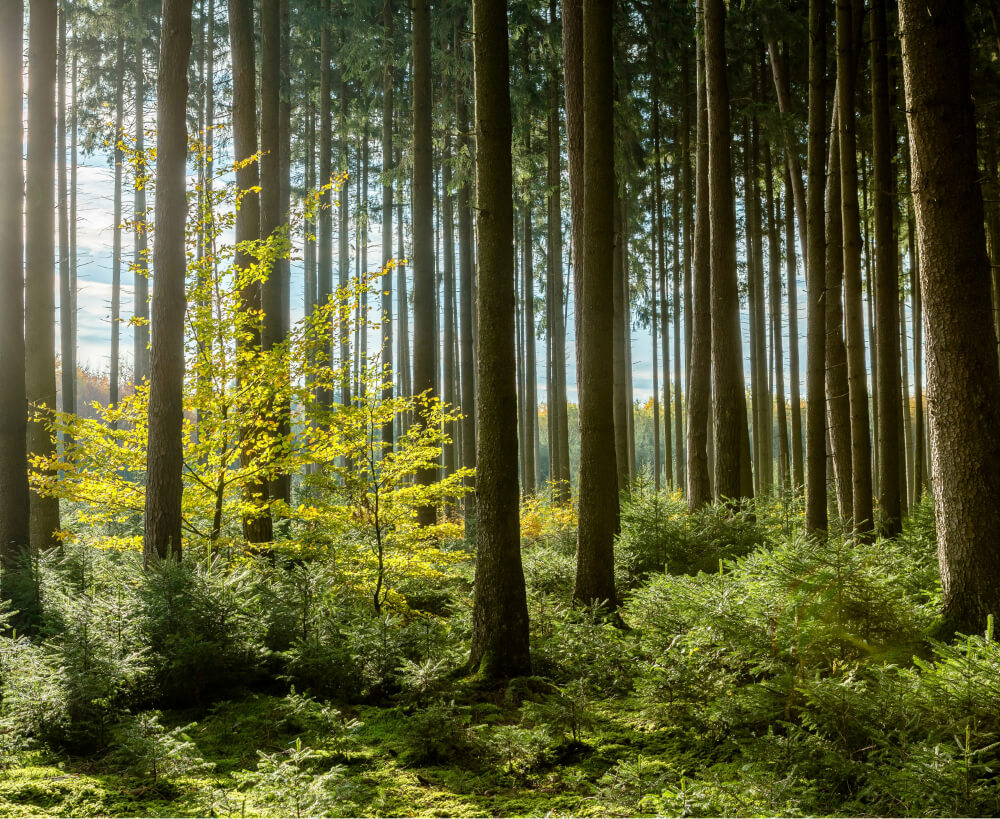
499	609
774	265
257	526
963	385
140	264
164	454
467	302
837	384
387	170
14	496
861	456
699	486
572	44
559	442
678	391
733	476
68	367
324	238
448	360
816	518
919	453
39	294
424	338
530	380
598	493
114	377
619	365
794	380
886	281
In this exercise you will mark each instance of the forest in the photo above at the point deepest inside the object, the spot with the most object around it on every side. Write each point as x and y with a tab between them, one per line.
479	408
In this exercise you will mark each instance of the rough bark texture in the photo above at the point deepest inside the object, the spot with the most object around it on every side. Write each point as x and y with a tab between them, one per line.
140	264
572	43
424	337
963	386
499	609
699	484
387	170
257	528
467	301
837	387
815	279
798	475
598	496
857	372
324	237
14	497
886	282
733	476
39	293
164	454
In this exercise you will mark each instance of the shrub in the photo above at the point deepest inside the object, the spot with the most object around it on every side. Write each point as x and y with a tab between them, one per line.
146	748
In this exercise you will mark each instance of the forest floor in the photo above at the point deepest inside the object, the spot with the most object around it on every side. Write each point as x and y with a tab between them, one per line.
752	672
230	734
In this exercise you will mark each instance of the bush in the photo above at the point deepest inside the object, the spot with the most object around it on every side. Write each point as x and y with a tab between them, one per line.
146	748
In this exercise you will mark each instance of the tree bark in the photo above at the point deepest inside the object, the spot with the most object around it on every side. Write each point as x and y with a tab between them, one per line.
848	19
699	486
598	493
816	518
886	281
733	476
39	293
141	263
424	338
500	610
794	381
963	385
164	454
257	526
14	495
388	432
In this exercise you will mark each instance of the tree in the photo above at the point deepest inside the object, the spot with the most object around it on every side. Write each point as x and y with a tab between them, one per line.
39	296
14	497
815	276
164	453
387	123
962	377
500	609
598	493
699	485
848	48
886	282
733	477
424	338
140	265
257	525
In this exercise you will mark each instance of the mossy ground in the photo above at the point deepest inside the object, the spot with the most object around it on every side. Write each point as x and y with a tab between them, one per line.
230	734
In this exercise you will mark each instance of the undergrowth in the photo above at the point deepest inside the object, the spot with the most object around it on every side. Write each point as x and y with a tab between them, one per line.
753	671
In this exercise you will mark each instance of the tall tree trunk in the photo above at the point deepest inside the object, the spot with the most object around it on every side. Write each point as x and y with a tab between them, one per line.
905	436
39	293
660	282
499	609
919	454
324	238
653	296
861	456
388	169
886	281
68	368
816	518
837	384
559	444
733	477
699	486
774	266
343	245
679	461
755	274
14	496
71	401
164	453
619	362
140	266
598	493
794	380
467	302
782	87
114	377
424	338
257	526
448	360
963	385
572	45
